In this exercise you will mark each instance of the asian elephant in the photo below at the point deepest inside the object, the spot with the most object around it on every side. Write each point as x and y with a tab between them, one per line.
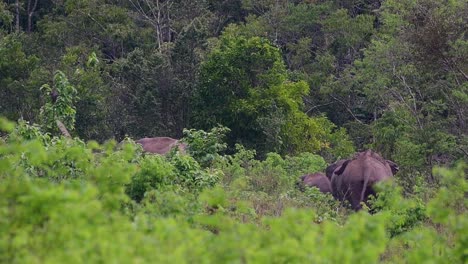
318	180
161	145
353	180
330	169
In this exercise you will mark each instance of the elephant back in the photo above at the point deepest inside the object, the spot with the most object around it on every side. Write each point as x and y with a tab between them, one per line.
354	179
160	145
367	162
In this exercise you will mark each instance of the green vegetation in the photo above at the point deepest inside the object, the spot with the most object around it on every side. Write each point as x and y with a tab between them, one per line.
63	200
261	92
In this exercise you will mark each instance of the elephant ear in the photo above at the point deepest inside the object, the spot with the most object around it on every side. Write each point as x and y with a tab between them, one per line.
393	166
330	169
341	169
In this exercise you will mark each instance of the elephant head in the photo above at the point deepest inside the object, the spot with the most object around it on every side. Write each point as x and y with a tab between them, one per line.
330	169
161	145
315	180
393	166
354	178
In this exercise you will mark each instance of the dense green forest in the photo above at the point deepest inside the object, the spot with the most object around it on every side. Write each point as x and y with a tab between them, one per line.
262	92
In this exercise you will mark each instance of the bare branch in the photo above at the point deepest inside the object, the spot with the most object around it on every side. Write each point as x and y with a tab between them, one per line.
347	109
464	151
316	106
414	108
451	64
63	129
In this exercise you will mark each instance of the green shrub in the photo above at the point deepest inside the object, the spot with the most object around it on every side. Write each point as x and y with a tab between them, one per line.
62	107
450	209
170	203
444	238
405	214
26	131
325	206
191	175
87	217
270	175
236	165
205	146
154	173
304	163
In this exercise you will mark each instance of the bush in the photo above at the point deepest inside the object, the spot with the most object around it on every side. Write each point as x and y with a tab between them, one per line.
170	203
273	175
304	163
325	206
154	173
405	214
89	218
236	165
190	174
444	238
205	146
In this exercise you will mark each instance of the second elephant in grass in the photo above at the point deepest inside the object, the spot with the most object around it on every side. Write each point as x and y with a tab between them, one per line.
315	180
353	179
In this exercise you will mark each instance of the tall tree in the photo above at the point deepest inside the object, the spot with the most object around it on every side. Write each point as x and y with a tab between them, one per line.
104	25
171	19
244	86
6	18
20	79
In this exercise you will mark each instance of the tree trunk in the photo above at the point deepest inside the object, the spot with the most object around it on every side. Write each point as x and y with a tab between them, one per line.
31	10
17	9
63	129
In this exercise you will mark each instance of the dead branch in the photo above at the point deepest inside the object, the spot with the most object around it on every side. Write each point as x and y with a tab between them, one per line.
347	108
63	129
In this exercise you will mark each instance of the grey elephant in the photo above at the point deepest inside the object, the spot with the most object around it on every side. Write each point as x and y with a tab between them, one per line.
318	180
353	179
330	169
161	145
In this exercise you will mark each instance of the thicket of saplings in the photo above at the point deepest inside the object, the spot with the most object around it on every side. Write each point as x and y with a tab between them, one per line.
67	201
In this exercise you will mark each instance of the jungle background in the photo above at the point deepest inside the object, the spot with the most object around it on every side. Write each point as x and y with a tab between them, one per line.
263	92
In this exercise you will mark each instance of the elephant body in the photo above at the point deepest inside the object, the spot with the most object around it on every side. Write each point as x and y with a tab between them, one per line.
161	145
318	180
354	178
